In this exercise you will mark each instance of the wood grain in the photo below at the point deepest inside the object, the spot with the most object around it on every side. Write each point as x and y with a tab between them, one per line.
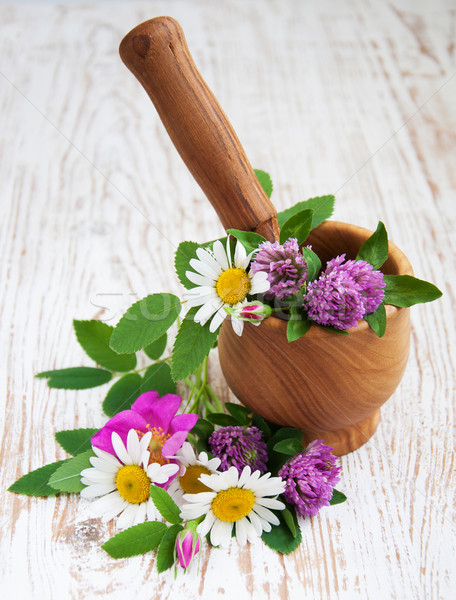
354	98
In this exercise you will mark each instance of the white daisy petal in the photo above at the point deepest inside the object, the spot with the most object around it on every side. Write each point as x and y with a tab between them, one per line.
144	442
221	533
238	325
97	476
151	511
217	320
205	526
256	522
133	447
220	255
204	269
140	515
245	476
120	449
241	531
270	503
186	454
201	498
252	535
239	256
206	311
106	456
161	473
190	512
97	489
213	464
259	283
214	482
228	251
127	518
198	279
207	257
266	514
108	506
103	465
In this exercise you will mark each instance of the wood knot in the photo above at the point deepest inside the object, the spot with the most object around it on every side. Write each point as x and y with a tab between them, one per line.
141	44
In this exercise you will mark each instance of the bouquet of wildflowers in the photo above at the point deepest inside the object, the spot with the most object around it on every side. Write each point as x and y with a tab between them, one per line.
172	475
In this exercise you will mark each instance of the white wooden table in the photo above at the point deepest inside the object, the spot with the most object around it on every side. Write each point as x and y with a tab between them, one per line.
354	97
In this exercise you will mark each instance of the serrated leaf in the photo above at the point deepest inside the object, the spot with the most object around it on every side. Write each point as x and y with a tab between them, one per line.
203	429
289	446
265	181
184	253
333	329
94	338
35	483
75	441
291	521
262	425
166	549
156	349
281	539
122	394
322	206
405	290
76	378
165	504
298	325
276	460
298	226
377	320
191	346
240	413
337	498
158	378
67	478
222	419
312	261
136	540
248	239
375	249
144	322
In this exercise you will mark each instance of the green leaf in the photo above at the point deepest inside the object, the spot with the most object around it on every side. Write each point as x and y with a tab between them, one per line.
289	446
165	504
222	419
191	346
276	460
75	441
240	413
76	378
94	338
35	483
337	497
298	325
248	239
405	290
138	539
322	206
262	425
144	322
333	329
265	181
156	349
375	249
67	478
312	261
184	253
285	433
377	320
298	226
122	394
158	378
203	429
280	538
166	550
291	521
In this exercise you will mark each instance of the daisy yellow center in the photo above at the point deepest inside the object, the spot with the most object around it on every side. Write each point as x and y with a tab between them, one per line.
233	504
189	480
155	446
133	484
233	285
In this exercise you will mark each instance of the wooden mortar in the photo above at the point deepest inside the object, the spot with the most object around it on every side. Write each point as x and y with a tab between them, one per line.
331	386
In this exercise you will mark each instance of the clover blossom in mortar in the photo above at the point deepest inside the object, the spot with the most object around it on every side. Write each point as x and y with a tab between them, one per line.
154	415
344	293
285	266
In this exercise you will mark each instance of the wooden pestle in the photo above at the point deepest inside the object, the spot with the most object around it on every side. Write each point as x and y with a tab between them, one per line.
157	54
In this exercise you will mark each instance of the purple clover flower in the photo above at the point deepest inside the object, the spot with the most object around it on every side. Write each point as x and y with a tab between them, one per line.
310	477
344	293
285	265
238	446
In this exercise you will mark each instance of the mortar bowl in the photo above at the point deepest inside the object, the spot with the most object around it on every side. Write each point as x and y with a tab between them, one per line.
330	386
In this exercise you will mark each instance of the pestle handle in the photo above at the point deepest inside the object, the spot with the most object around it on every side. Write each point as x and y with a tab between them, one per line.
157	54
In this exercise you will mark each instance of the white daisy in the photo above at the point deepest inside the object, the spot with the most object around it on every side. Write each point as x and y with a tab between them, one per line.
222	283
192	466
123	481
234	499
